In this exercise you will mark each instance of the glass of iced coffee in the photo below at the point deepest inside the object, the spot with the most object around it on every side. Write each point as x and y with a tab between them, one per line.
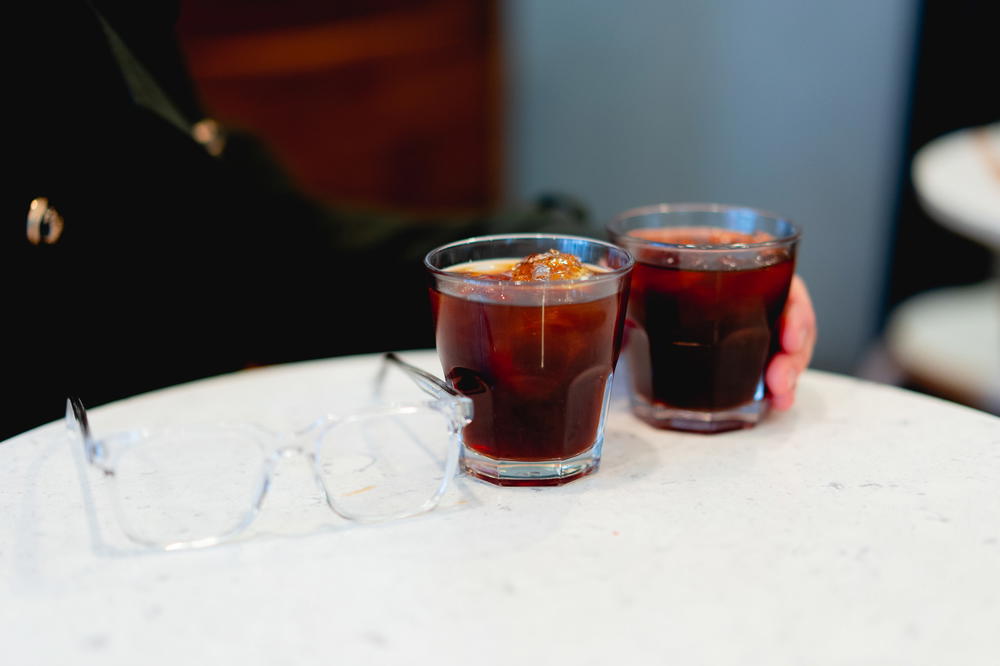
529	326
709	285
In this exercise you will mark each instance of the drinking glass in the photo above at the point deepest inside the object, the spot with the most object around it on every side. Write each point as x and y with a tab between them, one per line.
536	357
709	286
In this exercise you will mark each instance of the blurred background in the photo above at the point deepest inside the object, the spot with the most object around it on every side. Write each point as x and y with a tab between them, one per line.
814	110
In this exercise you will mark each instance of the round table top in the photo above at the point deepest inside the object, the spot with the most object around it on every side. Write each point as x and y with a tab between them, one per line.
957	177
949	340
862	526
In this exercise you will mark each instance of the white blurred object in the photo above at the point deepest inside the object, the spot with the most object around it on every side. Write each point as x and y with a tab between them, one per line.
948	340
957	177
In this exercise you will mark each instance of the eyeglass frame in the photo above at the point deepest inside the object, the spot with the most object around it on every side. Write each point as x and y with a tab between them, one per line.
455	407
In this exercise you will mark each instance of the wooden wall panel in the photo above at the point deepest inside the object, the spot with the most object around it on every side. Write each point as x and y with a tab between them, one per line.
386	101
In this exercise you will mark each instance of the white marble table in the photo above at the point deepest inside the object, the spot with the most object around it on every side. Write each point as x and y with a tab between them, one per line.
862	527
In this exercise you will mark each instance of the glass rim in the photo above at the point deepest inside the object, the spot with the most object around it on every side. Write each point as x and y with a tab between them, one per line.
610	274
664	208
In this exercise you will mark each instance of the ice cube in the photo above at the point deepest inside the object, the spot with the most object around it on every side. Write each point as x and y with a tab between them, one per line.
551	265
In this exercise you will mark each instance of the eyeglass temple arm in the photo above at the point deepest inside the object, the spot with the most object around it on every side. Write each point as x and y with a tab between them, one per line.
76	411
424	379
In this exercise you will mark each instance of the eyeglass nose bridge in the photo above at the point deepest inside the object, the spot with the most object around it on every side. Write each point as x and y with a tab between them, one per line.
288	451
273	462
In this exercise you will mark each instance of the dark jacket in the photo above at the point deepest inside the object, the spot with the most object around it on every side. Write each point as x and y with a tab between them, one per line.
173	263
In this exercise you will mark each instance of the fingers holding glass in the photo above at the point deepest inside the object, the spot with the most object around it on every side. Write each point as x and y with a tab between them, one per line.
798	339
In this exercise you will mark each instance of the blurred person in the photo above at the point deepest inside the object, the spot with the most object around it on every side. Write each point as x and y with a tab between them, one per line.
160	249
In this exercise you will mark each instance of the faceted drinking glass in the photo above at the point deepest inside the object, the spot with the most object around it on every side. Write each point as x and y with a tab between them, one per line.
535	357
709	286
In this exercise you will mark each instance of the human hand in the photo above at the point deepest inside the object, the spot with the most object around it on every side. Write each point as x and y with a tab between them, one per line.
798	337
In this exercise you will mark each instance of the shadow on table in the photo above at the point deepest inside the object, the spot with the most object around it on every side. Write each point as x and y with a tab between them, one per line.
635	452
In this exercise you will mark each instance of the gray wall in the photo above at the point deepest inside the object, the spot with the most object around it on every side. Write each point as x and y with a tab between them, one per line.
795	106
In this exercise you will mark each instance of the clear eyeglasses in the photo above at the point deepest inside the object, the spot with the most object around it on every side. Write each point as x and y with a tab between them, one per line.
199	485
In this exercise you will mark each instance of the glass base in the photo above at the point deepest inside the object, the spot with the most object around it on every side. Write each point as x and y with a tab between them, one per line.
533	472
703	421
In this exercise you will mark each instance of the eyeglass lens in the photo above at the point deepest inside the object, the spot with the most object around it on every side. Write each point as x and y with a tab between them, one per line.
188	484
